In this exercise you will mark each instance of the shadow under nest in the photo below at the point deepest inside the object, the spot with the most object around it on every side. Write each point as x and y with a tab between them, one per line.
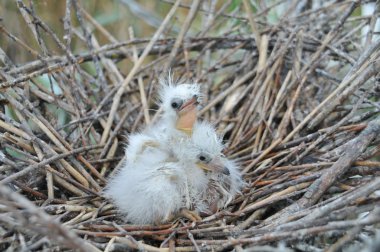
299	113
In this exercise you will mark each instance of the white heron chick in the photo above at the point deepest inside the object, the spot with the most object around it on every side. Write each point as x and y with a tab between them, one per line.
224	176
165	172
166	181
179	104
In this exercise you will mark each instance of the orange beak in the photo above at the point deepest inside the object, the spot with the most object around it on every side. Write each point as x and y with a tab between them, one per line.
214	166
187	116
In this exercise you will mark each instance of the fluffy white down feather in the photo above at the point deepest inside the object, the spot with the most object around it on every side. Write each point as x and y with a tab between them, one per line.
154	187
221	187
163	132
149	190
168	92
161	174
168	175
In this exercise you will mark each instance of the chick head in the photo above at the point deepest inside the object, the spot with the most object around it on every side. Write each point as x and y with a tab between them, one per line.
180	104
208	145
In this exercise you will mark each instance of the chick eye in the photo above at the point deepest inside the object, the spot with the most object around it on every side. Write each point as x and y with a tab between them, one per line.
204	158
174	105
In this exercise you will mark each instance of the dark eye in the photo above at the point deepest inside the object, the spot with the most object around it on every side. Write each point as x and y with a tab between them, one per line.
202	158
174	105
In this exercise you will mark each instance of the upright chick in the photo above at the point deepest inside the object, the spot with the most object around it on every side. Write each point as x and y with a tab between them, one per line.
179	104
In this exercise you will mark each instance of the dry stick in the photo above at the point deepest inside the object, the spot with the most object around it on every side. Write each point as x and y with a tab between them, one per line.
318	11
357	79
49	176
295	234
115	77
248	222
262	155
211	20
164	46
46	28
19	142
133	71
352	151
256	96
331	130
226	92
47	225
33	27
185	27
372	24
290	235
36	193
268	97
348	237
324	210
280	96
102	30
255	103
134	245
51	99
111	66
68	146
285	120
373	68
219	62
295	225
6	60
144	102
300	234
255	30
191	237
315	58
296	189
115	132
62	181
19	41
74	172
285	159
34	118
47	161
14	130
67	24
263	12
274	108
37	21
95	58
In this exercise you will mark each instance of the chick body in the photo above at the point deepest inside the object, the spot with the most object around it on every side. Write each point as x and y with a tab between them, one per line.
149	190
221	187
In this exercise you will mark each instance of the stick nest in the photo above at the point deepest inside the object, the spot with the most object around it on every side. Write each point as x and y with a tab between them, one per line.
297	100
